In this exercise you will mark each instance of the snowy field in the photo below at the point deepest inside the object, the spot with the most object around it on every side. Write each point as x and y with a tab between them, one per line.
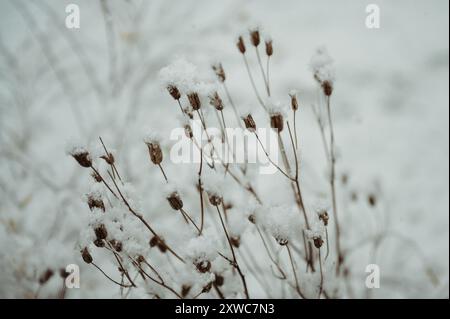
390	115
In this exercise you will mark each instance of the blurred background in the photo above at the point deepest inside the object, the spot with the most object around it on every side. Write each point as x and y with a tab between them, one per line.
390	106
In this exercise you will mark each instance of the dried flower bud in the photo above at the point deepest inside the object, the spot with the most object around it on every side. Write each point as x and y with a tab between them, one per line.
63	273
117	245
216	101
219	280
294	102
194	101
140	259
249	123
185	290
160	244
175	201
86	255
97	177
218	69
252	219
101	232
83	158
46	276
323	216
269	48
240	44
203	266
94	202
153	241
281	240
188	131
277	122
327	88
109	158
235	241
173	90
372	200
154	150
254	37
215	199
318	241
99	243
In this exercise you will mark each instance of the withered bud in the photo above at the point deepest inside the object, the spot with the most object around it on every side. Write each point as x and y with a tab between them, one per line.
63	273
269	48
153	241
318	241
282	241
156	155
194	101
371	198
219	280
203	266
277	122
158	242
86	255
101	232
235	241
185	290
323	216
249	123
252	219
188	131
175	201
94	202
46	276
327	88
83	158
140	259
99	243
294	102
109	158
216	101
97	177
117	245
215	199
254	37
240	44
173	90
218	69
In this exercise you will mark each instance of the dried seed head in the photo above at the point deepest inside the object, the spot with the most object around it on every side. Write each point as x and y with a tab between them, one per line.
318	241
173	90
101	232
235	241
140	259
249	123
188	131
294	102
194	101
154	150
327	88
97	177
269	48
216	101
323	216
99	243
95	202
240	44
185	290
83	158
161	245
86	255
372	199
63	273
219	280
277	122
117	245
281	240
175	201
254	37
153	241
109	158
215	199
252	219
46	276
218	69
203	266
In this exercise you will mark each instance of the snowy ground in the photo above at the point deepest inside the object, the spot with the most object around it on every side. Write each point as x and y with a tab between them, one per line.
390	108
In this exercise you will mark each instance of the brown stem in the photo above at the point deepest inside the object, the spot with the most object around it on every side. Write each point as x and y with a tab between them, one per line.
253	83
262	71
117	283
297	286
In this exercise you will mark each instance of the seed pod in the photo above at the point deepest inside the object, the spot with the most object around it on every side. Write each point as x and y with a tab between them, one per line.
249	123
101	232
97	177
240	44
175	201
323	216
86	255
269	48
235	241
95	203
219	280
371	198
155	153
153	241
215	199
203	266
216	101
185	290
252	218
254	37
140	259
109	158
188	131
294	102
318	241
46	276
173	90
162	246
194	101
218	69
83	158
63	273
282	241
277	122
99	243
327	88
117	245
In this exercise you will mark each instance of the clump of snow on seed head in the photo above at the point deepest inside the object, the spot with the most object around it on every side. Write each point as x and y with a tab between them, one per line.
321	65
179	73
152	137
75	147
282	222
276	107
